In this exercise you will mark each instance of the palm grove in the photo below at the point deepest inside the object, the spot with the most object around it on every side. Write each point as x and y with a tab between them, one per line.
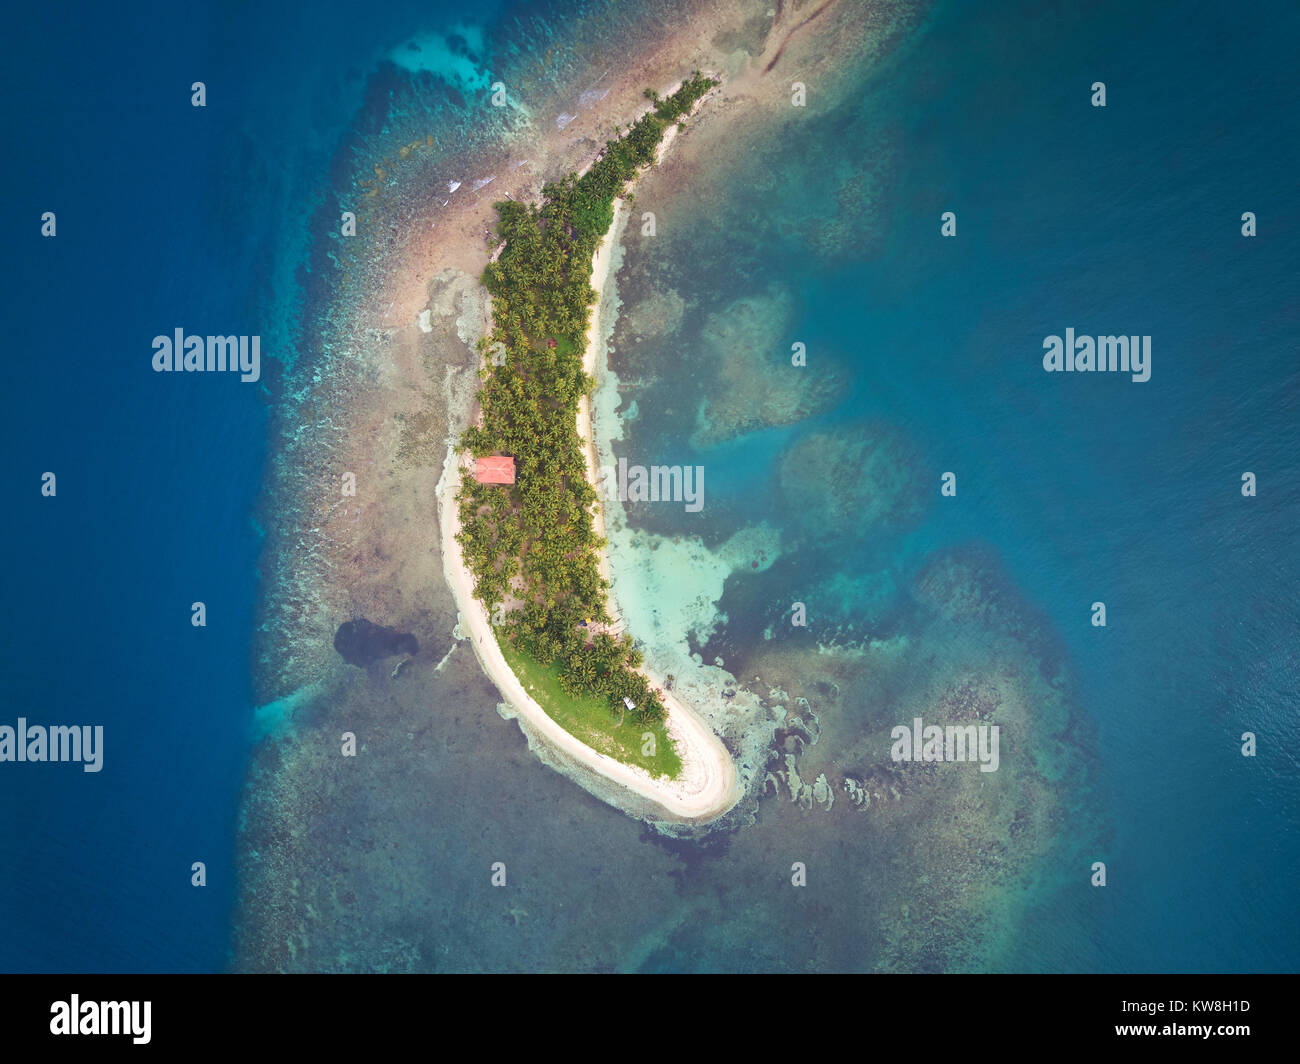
533	545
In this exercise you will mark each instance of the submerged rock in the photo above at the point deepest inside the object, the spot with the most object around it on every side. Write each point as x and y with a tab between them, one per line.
858	794
658	314
362	642
823	793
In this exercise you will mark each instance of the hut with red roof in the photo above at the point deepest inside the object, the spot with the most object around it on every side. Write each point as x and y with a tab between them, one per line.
497	469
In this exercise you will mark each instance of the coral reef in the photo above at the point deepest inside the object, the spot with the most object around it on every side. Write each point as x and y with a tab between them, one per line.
752	384
842	483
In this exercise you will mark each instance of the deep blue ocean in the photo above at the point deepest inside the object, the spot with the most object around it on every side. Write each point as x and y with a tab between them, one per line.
1117	220
1125	219
167	215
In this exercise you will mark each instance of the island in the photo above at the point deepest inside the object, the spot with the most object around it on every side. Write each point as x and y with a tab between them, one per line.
522	533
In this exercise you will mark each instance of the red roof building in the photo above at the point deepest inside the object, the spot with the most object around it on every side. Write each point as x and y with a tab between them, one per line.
499	469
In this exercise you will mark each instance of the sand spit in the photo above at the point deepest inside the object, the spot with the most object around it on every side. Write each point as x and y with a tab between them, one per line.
709	785
649	598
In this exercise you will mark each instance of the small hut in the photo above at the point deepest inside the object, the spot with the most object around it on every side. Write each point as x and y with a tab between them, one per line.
497	469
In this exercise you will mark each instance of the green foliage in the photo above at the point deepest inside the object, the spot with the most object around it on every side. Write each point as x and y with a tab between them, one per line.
533	544
590	719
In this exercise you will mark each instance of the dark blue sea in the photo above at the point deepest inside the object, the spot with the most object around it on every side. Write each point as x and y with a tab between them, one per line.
167	216
1096	488
1123	219
1127	219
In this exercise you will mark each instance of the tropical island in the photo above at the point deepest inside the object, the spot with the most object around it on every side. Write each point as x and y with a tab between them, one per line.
529	540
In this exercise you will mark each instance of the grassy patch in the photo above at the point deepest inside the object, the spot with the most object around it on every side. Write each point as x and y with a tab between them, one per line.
589	719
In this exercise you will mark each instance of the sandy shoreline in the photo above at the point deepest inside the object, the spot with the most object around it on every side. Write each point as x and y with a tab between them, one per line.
708	785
